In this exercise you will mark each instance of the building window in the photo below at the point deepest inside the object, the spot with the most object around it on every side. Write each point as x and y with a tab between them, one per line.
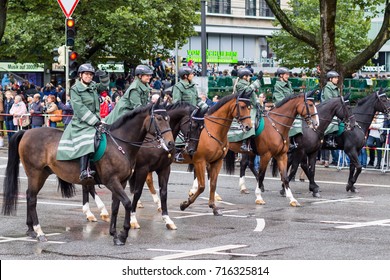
219	7
250	7
264	10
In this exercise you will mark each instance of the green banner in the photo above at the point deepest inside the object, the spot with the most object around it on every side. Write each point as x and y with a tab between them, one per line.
213	56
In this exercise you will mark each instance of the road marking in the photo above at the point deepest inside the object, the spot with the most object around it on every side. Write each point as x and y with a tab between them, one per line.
349	225
208	251
53	203
197	214
352	199
219	202
260	225
4	239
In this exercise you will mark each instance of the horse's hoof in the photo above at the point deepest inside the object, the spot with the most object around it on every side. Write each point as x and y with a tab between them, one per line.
105	218
218	197
91	219
171	226
302	180
31	233
135	225
217	212
42	238
295	204
351	189
316	194
282	193
118	242
260	202
140	205
244	191
159	209
183	205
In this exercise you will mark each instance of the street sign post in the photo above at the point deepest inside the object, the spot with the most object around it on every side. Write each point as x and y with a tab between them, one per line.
68	6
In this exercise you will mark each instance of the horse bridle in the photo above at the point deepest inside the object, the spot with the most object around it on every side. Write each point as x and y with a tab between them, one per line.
308	117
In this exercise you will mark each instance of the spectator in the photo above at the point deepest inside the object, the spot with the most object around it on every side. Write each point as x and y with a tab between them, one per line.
19	111
36	111
205	99
51	106
8	119
234	72
374	141
67	110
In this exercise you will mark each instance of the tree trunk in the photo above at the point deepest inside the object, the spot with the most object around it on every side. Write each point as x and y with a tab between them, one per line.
3	17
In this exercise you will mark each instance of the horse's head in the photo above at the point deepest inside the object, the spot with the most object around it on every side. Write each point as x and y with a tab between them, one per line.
242	110
196	124
382	103
159	126
344	112
308	110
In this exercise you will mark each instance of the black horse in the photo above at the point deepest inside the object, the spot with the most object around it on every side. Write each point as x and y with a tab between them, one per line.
310	142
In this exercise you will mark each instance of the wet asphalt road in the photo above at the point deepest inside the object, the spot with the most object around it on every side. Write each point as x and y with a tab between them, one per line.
337	226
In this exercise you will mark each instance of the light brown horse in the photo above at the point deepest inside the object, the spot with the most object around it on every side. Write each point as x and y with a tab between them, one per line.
124	139
274	140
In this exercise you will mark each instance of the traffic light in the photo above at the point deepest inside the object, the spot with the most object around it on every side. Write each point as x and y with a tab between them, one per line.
59	55
70	32
73	64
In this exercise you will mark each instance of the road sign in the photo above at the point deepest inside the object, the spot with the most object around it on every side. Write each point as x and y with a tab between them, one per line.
68	6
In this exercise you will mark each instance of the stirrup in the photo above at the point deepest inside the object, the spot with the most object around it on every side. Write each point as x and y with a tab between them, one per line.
85	174
179	157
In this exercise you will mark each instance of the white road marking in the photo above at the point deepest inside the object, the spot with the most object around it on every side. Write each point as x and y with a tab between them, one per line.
352	199
197	214
260	225
219	202
208	251
53	203
4	239
349	225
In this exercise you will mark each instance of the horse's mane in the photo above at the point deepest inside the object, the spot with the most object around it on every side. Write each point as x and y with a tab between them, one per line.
180	104
221	102
129	115
324	103
363	100
287	99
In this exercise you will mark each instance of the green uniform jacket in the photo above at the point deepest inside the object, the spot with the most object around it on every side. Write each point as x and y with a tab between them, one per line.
78	137
136	95
281	90
243	86
330	91
185	91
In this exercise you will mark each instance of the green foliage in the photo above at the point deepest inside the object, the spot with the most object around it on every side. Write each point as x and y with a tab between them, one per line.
121	30
352	26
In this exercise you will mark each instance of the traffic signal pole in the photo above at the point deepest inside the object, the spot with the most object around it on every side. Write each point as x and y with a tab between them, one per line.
67	83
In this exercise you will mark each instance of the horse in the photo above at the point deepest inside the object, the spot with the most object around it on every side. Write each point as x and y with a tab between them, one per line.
274	140
310	141
183	117
113	169
352	141
213	143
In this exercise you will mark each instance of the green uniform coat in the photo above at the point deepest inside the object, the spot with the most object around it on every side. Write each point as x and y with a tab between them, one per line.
185	91
283	89
78	137
136	95
236	134
330	91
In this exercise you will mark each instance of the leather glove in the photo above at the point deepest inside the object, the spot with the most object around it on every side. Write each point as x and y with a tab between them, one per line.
99	123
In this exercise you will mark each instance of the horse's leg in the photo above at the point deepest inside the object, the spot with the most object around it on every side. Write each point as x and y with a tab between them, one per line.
354	164
214	169
99	203
194	187
310	172
282	165
199	172
86	210
34	186
216	195
264	159
163	177
244	163
114	214
138	179
149	183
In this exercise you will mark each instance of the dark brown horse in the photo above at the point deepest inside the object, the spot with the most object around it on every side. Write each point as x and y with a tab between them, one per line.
274	140
114	168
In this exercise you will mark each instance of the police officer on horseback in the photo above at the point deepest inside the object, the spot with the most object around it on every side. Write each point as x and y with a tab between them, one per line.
331	90
136	95
243	85
77	140
282	90
185	90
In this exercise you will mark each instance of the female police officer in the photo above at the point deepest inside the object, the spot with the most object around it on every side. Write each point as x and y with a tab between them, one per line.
78	138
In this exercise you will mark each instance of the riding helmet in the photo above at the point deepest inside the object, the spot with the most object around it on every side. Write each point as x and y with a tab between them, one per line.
332	74
185	70
282	70
143	70
86	67
244	72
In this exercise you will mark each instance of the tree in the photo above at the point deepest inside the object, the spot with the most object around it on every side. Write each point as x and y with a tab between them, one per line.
336	35
3	17
122	30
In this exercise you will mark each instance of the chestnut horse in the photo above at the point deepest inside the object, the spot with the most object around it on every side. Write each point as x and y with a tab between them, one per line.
114	168
274	140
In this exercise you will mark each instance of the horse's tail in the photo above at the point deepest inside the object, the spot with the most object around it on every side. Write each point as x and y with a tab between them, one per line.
11	180
190	167
68	190
274	167
230	161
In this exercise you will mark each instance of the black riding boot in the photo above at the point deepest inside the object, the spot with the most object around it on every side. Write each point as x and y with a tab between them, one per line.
85	173
245	145
293	144
330	141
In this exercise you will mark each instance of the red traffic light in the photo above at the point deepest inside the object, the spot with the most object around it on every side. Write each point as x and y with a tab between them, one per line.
70	22
73	55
